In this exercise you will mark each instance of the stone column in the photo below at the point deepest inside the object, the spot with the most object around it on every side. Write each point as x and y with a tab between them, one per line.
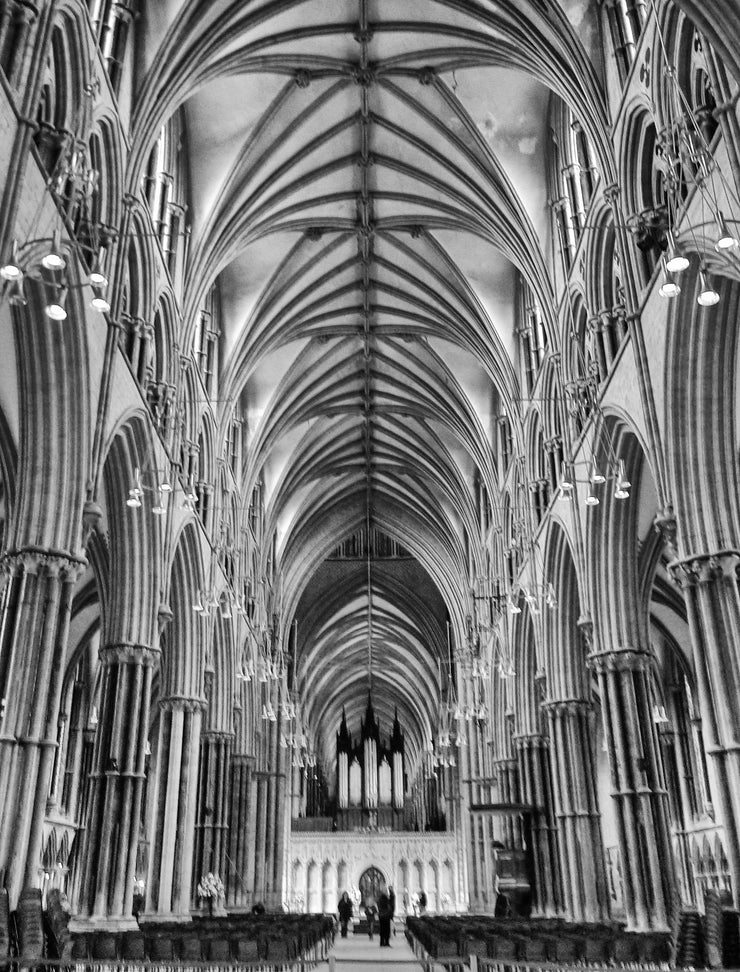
36	608
710	586
271	812
282	819
571	731
117	781
238	886
535	789
171	865
260	825
212	830
638	787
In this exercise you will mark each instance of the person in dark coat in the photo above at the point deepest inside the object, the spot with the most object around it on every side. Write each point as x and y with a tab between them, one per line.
385	913
371	913
392	899
344	909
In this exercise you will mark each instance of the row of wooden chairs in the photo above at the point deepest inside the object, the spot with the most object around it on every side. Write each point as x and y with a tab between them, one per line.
273	937
537	940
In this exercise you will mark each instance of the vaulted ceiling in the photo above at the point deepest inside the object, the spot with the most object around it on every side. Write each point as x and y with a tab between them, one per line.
367	183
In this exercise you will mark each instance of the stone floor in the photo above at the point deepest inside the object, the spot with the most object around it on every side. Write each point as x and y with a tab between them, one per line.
357	952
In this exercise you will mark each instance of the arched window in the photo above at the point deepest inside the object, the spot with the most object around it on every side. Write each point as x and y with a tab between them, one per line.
111	22
646	190
165	188
532	335
625	22
540	481
206	341
571	177
694	84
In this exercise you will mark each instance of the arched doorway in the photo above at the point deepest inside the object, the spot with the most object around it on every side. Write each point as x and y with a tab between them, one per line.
371	882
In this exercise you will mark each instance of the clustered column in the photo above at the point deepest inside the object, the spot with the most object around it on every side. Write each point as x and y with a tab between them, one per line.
638	788
35	622
176	793
117	780
535	788
710	584
571	732
212	832
242	815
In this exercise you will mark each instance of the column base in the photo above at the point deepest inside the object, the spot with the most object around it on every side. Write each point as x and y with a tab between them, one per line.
93	923
160	918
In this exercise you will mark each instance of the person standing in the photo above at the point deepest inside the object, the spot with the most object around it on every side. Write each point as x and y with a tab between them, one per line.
371	913
392	899
385	912
344	909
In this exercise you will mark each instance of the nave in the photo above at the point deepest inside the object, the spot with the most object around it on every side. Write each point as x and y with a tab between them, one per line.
369	481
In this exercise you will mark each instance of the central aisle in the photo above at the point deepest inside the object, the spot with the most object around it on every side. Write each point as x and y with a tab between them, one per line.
357	951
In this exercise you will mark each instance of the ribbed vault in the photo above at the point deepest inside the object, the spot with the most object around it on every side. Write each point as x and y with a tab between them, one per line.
368	193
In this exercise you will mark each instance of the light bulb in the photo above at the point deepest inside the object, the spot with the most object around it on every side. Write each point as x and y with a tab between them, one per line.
56	312
98	279
676	262
669	289
165	486
597	477
133	499
159	510
100	304
592	500
708	296
11	271
621	492
514	607
54	260
726	240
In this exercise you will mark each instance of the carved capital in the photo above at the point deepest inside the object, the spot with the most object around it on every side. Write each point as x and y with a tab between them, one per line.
529	740
181	703
622	659
427	75
127	653
563	707
216	736
706	568
50	564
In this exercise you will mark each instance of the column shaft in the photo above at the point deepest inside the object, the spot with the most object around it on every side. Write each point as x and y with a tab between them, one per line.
637	787
171	863
33	641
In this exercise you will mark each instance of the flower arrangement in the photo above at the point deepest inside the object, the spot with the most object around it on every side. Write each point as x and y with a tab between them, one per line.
211	886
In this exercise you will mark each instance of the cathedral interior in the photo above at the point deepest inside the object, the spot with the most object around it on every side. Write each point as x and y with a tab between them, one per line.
369	439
